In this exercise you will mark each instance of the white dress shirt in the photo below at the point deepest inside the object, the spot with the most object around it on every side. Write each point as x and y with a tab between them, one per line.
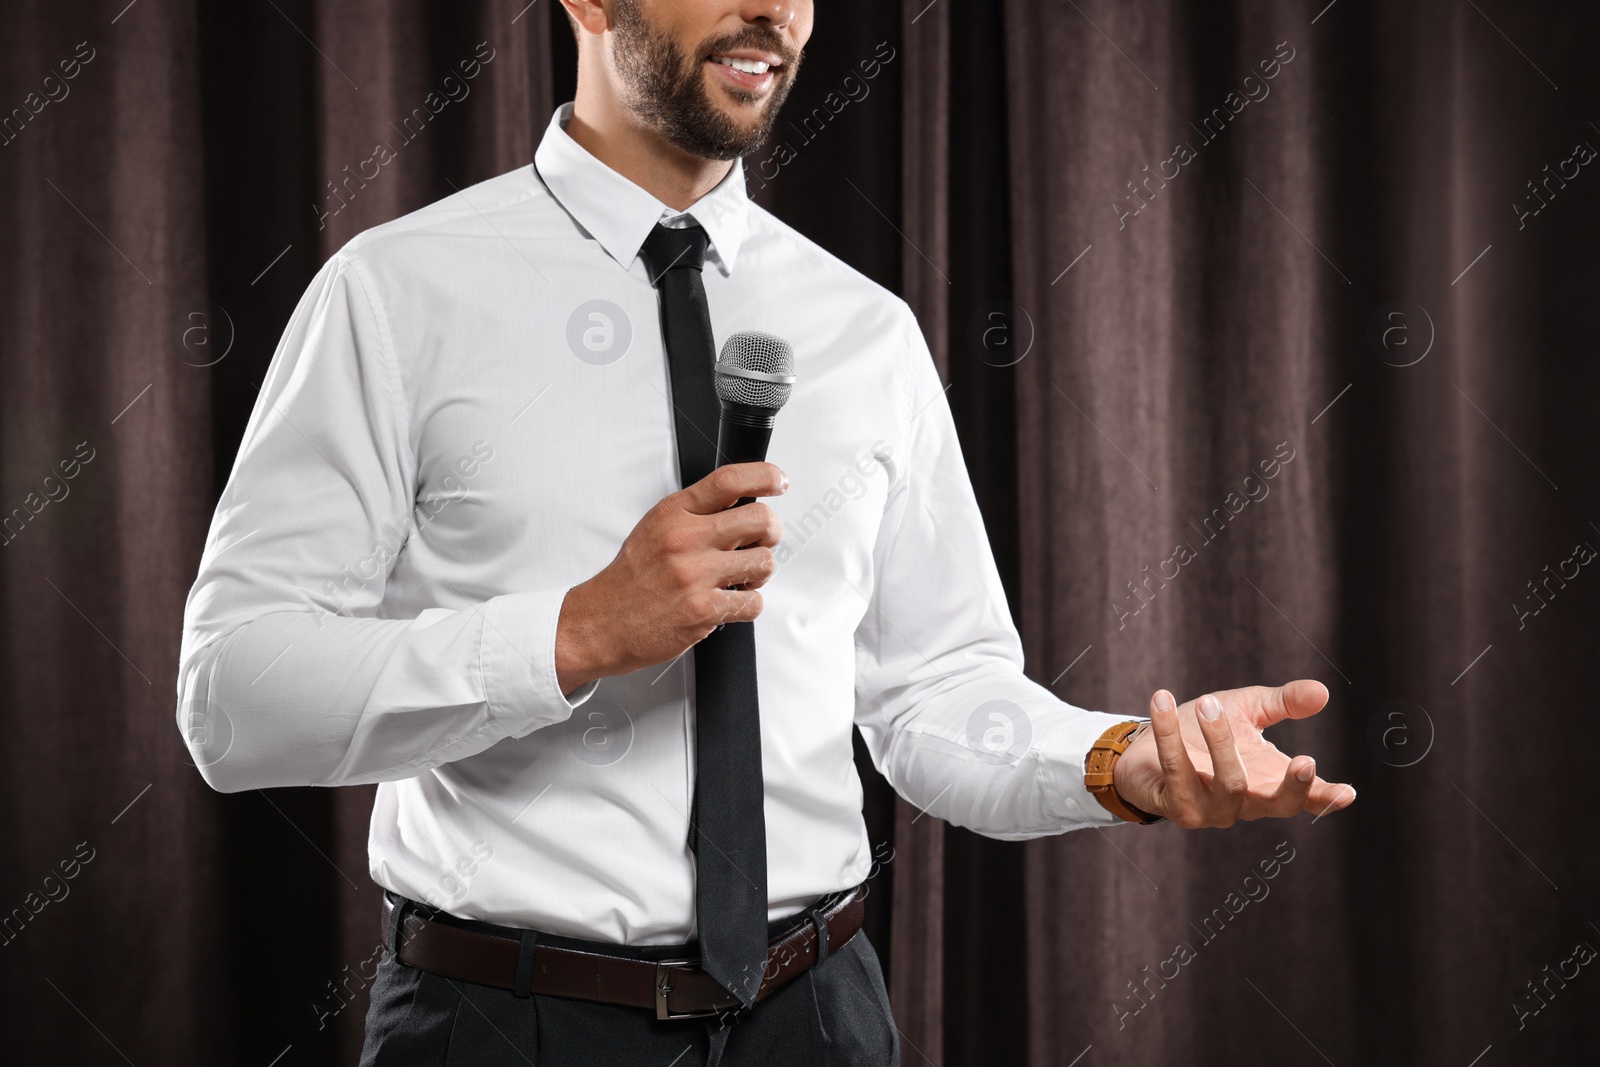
466	415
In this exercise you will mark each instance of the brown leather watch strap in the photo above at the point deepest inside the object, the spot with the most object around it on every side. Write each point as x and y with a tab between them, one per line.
1102	761
673	988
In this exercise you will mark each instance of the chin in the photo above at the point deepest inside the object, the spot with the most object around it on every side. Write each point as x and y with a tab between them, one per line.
746	118
737	105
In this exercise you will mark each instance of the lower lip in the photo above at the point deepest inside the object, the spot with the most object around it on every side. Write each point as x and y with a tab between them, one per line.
740	78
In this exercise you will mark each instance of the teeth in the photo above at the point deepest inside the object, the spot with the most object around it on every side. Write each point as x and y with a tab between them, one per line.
749	66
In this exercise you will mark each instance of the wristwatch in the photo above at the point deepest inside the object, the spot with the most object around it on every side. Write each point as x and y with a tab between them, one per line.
1102	759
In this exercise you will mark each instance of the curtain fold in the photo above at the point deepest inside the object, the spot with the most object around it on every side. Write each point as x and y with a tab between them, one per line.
1276	289
104	435
916	972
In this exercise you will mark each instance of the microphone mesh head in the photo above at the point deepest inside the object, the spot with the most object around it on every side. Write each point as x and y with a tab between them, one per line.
763	354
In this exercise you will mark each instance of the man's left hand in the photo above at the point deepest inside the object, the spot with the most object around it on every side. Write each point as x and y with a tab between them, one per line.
1205	763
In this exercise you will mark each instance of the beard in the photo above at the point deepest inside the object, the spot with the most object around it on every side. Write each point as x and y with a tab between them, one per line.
666	86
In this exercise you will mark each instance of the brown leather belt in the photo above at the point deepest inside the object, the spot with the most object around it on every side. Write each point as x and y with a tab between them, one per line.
673	988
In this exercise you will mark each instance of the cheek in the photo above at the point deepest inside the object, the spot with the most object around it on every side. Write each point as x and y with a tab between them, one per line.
801	27
690	22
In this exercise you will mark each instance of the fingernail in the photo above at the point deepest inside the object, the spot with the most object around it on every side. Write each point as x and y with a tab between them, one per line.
783	482
1306	773
1163	701
1210	708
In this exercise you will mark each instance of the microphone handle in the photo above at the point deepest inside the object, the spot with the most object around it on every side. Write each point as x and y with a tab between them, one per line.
742	435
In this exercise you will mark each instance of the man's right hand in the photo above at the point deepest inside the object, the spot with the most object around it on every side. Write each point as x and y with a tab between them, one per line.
679	575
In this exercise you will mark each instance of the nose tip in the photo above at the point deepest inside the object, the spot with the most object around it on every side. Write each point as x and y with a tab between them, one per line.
775	13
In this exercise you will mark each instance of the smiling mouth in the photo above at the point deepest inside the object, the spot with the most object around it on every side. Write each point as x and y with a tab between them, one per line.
753	67
746	74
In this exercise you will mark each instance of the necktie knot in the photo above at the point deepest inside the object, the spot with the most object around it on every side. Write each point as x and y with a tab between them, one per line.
671	248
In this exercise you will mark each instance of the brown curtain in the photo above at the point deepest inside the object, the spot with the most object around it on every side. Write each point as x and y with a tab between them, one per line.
1126	361
1213	325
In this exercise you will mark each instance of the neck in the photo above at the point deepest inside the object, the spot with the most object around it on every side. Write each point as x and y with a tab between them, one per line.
638	153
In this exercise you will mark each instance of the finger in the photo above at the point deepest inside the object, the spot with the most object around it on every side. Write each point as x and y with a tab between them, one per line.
737	605
1293	793
1230	782
1300	699
726	486
1329	796
750	569
1183	794
754	524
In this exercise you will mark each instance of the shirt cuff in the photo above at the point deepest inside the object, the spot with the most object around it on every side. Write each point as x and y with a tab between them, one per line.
517	658
1064	751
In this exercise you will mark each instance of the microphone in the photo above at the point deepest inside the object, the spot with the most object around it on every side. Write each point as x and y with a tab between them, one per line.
755	375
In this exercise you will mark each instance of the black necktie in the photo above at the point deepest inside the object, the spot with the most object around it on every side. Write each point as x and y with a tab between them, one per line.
728	827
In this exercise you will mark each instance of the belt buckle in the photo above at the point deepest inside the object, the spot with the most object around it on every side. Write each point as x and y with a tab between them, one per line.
663	987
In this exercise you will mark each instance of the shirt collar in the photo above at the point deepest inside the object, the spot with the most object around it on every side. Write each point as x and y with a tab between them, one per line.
619	214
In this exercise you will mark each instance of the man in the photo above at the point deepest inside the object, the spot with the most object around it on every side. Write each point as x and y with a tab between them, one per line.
472	550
